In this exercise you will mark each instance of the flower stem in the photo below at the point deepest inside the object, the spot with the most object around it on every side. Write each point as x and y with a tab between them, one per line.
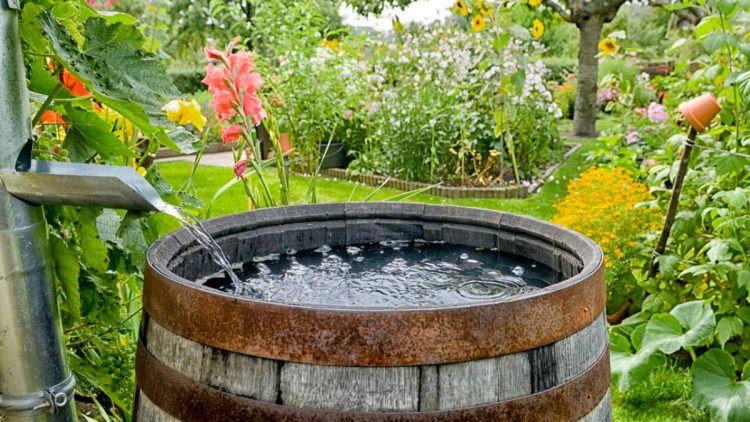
45	105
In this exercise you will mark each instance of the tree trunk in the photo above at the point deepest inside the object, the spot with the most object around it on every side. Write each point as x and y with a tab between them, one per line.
588	69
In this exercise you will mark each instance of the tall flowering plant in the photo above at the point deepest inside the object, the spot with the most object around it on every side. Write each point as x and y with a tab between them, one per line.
234	83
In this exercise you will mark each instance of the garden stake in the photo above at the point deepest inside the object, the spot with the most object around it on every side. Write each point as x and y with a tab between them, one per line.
674	200
698	112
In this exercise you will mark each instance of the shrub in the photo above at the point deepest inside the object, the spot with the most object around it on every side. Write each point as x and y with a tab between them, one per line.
188	81
604	204
560	68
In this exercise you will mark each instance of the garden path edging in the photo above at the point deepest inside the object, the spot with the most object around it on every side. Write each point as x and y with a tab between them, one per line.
506	192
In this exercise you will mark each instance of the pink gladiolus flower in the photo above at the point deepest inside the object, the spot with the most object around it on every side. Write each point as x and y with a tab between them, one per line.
235	86
214	54
656	113
231	133
641	111
648	163
348	114
239	168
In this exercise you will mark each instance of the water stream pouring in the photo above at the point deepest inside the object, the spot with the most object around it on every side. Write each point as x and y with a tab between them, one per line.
35	381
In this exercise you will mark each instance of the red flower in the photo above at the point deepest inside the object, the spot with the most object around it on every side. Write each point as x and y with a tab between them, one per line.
230	133
239	168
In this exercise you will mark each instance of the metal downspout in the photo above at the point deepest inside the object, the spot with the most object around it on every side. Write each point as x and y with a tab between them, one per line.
33	371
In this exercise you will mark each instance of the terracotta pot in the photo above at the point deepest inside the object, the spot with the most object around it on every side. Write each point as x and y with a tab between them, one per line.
285	142
700	111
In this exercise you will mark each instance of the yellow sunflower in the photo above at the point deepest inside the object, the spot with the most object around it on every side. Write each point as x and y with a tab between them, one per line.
608	46
535	3
477	23
488	12
460	7
537	29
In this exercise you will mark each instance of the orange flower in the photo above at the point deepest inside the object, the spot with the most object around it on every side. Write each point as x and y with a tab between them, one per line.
52	118
72	84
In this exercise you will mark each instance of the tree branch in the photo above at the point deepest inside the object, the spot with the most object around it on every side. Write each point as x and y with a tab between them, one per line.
560	9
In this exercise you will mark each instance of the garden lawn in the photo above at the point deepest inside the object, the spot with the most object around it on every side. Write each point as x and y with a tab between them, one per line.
209	179
664	398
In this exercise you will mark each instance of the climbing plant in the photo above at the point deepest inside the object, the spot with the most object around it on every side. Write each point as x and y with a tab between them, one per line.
97	96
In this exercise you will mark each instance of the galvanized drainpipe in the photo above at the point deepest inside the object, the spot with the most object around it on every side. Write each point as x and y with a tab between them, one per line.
35	381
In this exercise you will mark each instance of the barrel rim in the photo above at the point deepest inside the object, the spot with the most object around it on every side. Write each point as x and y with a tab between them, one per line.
469	331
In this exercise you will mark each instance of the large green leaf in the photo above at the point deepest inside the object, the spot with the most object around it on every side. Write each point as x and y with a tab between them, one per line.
716	388
727	328
88	134
630	368
688	324
96	253
67	270
112	64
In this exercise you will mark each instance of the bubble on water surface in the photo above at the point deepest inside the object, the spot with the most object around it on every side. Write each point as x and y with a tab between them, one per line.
464	256
291	251
265	258
518	270
353	250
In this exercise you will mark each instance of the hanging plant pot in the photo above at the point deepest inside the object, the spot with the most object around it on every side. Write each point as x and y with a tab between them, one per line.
335	157
700	111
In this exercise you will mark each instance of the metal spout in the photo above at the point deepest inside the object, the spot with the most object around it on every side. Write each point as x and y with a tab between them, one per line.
56	183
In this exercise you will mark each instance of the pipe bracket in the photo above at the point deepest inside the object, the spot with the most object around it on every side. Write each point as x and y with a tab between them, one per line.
50	400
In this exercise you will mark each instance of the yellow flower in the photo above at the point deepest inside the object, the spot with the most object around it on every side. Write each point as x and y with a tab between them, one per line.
332	44
477	23
535	3
488	12
537	29
460	7
608	46
183	112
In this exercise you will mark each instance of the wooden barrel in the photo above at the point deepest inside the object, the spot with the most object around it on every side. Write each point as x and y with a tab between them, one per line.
205	355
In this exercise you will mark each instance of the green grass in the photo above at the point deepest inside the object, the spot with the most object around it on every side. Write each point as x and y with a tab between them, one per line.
209	179
605	122
664	398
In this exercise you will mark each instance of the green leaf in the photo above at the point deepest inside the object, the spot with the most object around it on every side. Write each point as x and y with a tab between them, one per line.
727	328
715	387
88	134
122	76
737	199
630	368
743	279
668	264
718	250
746	370
699	320
30	30
664	333
95	253
185	141
67	270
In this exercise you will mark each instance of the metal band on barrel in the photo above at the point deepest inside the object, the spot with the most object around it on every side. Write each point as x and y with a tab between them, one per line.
189	400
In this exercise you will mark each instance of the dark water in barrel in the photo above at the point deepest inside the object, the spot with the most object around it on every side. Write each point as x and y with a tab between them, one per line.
388	274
